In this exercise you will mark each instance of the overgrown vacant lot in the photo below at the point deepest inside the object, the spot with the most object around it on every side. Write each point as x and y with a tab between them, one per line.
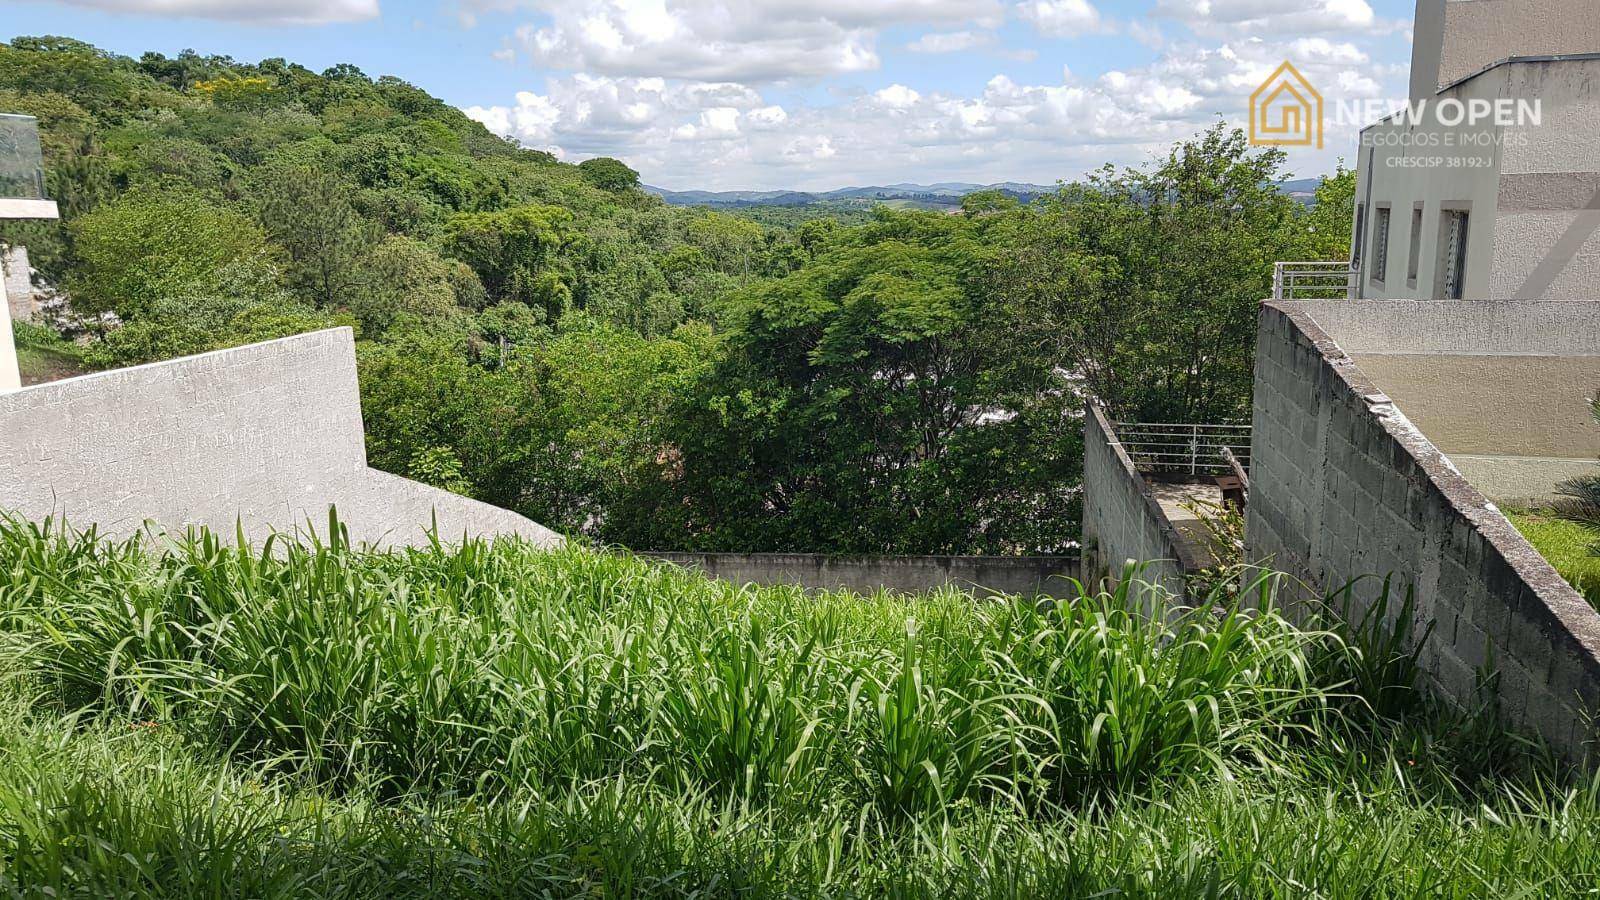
182	717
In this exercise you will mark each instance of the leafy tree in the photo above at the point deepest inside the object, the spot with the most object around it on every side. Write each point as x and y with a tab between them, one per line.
375	160
1145	282
1324	231
234	92
307	210
864	403
605	397
147	248
516	253
402	277
424	401
733	245
608	174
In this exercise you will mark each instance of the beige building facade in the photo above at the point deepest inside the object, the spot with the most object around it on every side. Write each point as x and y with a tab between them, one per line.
1488	185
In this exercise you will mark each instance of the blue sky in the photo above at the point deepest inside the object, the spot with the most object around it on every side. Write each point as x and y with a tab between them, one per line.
808	94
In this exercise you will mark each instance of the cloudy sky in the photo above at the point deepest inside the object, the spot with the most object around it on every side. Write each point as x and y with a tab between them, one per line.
808	94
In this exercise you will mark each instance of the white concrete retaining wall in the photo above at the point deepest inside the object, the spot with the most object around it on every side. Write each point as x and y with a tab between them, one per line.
267	435
1343	485
1121	520
1028	575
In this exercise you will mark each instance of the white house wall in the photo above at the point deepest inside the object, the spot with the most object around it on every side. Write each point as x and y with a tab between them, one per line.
1547	233
1534	205
1393	171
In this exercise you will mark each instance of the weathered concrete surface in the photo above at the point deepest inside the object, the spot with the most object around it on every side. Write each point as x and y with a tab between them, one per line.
266	435
1122	520
1049	575
1527	482
1516	425
1488	404
1481	33
1179	502
1343	485
18	282
1501	328
1503	388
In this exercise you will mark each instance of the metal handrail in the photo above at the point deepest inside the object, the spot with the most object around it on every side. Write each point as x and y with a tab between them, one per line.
1190	448
1314	280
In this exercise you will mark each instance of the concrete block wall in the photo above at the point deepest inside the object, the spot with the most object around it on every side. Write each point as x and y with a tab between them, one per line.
1503	388
18	282
267	435
1343	485
1049	575
1121	520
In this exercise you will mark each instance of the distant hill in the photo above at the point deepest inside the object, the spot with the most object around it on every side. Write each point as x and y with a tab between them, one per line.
939	194
1302	189
945	193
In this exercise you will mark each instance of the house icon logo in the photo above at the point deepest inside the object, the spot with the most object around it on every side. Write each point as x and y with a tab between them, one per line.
1286	111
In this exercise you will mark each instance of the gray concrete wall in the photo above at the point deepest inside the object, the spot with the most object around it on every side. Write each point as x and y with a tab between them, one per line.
1479	33
1427	45
1546	243
1491	404
1050	575
18	282
1515	425
267	435
1502	388
1121	519
1343	485
1508	328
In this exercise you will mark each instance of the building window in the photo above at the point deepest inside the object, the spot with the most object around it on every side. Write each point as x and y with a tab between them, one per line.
1452	254
1416	245
1355	245
1380	245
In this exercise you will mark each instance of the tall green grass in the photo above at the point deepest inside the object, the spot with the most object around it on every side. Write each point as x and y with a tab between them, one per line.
189	715
1573	547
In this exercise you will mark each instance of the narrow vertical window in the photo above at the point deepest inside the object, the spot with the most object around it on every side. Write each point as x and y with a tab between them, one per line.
1355	245
1380	245
1416	246
1453	255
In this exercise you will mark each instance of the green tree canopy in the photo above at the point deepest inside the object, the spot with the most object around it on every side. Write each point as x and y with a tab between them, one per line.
147	247
608	174
516	252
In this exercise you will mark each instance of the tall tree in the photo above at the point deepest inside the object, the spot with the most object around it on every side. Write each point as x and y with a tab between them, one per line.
307	210
1144	283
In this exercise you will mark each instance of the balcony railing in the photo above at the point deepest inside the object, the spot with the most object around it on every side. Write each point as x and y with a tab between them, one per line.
1325	280
21	160
1186	448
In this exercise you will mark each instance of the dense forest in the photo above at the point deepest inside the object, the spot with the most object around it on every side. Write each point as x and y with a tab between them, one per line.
548	337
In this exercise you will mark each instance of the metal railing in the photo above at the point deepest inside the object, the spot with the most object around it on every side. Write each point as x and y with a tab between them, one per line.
1326	280
1185	448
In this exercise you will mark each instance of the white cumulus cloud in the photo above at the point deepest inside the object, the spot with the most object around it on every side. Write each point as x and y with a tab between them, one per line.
949	41
723	135
1062	18
263	12
1271	16
717	40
